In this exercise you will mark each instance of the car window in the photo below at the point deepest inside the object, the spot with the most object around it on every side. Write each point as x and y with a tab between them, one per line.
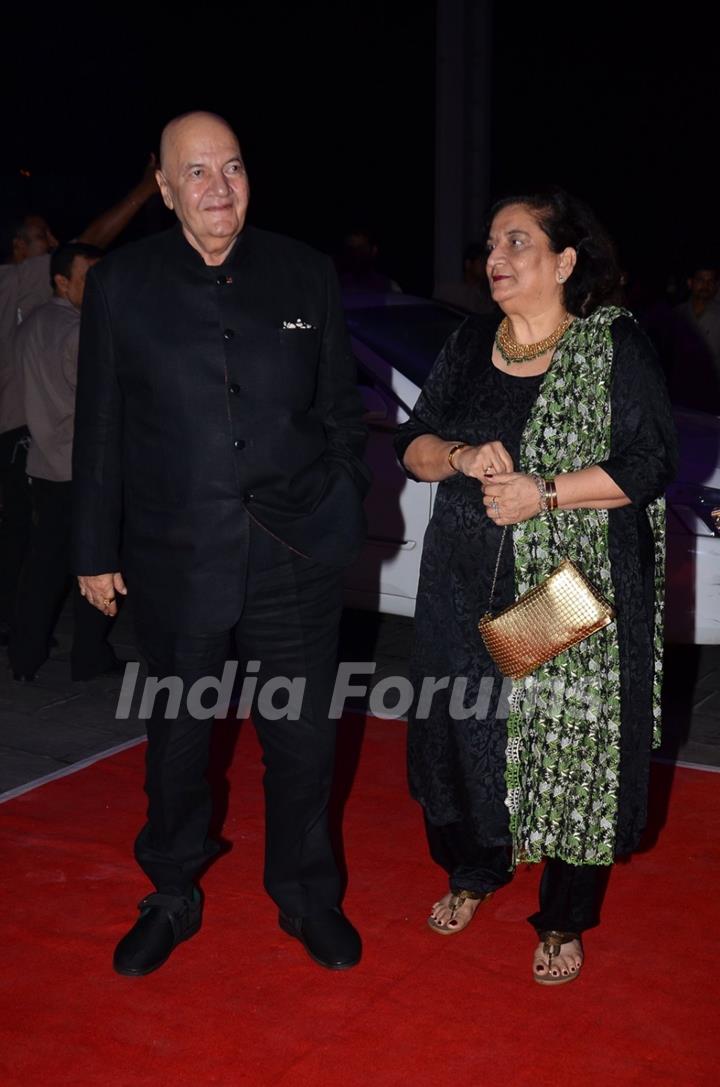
408	337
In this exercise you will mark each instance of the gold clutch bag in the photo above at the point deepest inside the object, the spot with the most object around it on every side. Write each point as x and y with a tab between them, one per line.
561	611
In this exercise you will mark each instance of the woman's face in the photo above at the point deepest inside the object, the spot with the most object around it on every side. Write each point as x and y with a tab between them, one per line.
525	275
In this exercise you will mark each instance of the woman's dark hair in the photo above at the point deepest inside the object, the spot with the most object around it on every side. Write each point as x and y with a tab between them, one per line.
568	221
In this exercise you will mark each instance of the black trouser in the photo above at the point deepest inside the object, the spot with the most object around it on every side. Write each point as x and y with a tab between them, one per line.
471	867
44	583
289	623
570	895
16	516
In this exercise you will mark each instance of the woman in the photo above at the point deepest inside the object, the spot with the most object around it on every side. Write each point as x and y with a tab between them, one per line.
561	405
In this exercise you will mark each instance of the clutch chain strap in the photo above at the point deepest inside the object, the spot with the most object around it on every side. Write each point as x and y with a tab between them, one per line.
556	541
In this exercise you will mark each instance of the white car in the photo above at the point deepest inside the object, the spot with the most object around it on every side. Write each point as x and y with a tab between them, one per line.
396	339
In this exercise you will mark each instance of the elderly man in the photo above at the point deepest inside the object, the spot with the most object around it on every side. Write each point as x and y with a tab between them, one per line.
218	419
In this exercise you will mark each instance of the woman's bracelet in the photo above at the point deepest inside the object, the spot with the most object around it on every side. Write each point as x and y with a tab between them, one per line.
547	493
540	484
451	453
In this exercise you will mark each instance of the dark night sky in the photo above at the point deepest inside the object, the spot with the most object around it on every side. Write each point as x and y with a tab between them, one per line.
623	110
334	105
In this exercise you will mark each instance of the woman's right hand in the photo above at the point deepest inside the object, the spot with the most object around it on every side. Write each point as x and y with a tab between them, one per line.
481	461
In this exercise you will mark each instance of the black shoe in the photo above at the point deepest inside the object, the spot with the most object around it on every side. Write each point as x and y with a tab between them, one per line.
165	921
329	938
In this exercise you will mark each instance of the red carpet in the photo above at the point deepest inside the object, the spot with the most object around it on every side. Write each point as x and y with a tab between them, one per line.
242	1004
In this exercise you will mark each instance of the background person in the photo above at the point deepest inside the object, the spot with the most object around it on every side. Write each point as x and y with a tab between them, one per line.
568	387
472	293
357	264
47	348
691	371
698	356
26	242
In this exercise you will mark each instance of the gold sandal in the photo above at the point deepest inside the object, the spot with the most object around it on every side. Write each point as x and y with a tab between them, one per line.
552	942
457	900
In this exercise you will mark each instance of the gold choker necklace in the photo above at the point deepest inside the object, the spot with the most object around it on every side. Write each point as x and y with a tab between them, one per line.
512	351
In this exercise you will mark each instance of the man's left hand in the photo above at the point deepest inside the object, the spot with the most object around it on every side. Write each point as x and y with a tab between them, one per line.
511	497
101	591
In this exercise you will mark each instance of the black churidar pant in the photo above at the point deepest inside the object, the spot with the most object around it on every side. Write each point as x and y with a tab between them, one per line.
570	895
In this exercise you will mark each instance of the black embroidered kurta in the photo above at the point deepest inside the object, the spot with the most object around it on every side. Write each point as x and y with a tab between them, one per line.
457	767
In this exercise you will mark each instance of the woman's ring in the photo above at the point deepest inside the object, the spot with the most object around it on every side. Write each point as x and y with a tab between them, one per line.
494	506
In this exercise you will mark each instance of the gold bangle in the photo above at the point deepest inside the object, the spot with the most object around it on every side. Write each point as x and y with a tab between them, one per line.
451	453
551	495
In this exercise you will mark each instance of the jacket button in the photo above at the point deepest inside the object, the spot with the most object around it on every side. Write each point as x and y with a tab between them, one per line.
239	443
234	389
248	496
228	334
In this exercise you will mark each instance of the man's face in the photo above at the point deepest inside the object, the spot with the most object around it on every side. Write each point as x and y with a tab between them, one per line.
72	287
203	180
360	249
703	284
35	240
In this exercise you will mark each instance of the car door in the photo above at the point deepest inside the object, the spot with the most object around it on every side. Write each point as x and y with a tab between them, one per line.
384	577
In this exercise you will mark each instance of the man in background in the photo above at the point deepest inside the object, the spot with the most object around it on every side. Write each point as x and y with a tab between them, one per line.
357	264
26	242
46	349
471	294
701	311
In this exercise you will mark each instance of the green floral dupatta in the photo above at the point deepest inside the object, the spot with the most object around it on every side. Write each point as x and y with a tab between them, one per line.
563	755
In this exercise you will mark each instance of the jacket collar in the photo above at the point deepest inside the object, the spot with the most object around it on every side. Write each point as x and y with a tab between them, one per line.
187	255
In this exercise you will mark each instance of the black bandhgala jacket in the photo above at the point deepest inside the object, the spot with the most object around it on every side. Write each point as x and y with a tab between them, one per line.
208	395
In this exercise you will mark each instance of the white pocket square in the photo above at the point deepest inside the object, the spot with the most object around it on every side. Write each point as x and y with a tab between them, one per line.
297	323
